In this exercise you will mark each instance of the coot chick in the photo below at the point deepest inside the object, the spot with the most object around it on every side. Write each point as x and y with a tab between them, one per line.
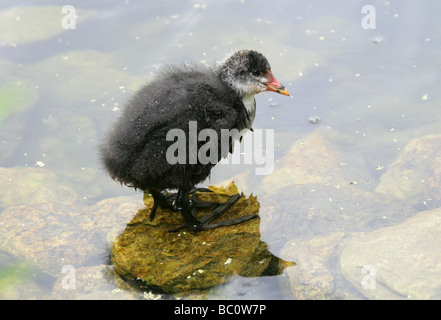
135	150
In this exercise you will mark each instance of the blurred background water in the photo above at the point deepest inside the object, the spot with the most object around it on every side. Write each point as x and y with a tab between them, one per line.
61	89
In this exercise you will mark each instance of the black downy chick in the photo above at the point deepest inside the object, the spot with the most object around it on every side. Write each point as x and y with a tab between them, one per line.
135	150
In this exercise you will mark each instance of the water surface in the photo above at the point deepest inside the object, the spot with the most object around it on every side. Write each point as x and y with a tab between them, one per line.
370	90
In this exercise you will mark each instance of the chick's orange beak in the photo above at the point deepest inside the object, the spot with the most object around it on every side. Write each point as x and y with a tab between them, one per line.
274	85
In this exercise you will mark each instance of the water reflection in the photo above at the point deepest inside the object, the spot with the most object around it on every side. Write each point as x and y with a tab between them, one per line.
376	100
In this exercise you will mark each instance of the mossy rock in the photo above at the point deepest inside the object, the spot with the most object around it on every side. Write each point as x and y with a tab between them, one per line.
187	261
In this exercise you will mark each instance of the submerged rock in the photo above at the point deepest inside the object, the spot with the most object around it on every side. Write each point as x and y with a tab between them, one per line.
415	175
305	211
397	262
16	98
54	234
24	24
176	262
19	279
31	186
92	283
319	159
310	223
314	277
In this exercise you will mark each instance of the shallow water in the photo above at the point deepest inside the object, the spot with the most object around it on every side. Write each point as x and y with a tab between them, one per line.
375	88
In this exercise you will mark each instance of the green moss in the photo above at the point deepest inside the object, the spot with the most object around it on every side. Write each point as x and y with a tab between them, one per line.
188	261
16	274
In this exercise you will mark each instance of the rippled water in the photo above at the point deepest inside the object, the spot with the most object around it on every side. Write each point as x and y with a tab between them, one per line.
375	88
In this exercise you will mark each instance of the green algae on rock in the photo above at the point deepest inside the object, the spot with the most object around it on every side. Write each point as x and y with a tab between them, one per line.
185	261
16	98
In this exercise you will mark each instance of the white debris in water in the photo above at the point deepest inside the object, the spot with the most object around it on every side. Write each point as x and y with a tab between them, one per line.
377	40
314	119
40	164
228	261
199	6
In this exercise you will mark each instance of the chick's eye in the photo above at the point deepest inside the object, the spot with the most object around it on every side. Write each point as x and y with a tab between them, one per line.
255	72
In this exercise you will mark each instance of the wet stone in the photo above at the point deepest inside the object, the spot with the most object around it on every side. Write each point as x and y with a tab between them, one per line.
319	158
314	276
31	186
415	175
305	211
94	282
188	261
25	24
54	234
397	262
